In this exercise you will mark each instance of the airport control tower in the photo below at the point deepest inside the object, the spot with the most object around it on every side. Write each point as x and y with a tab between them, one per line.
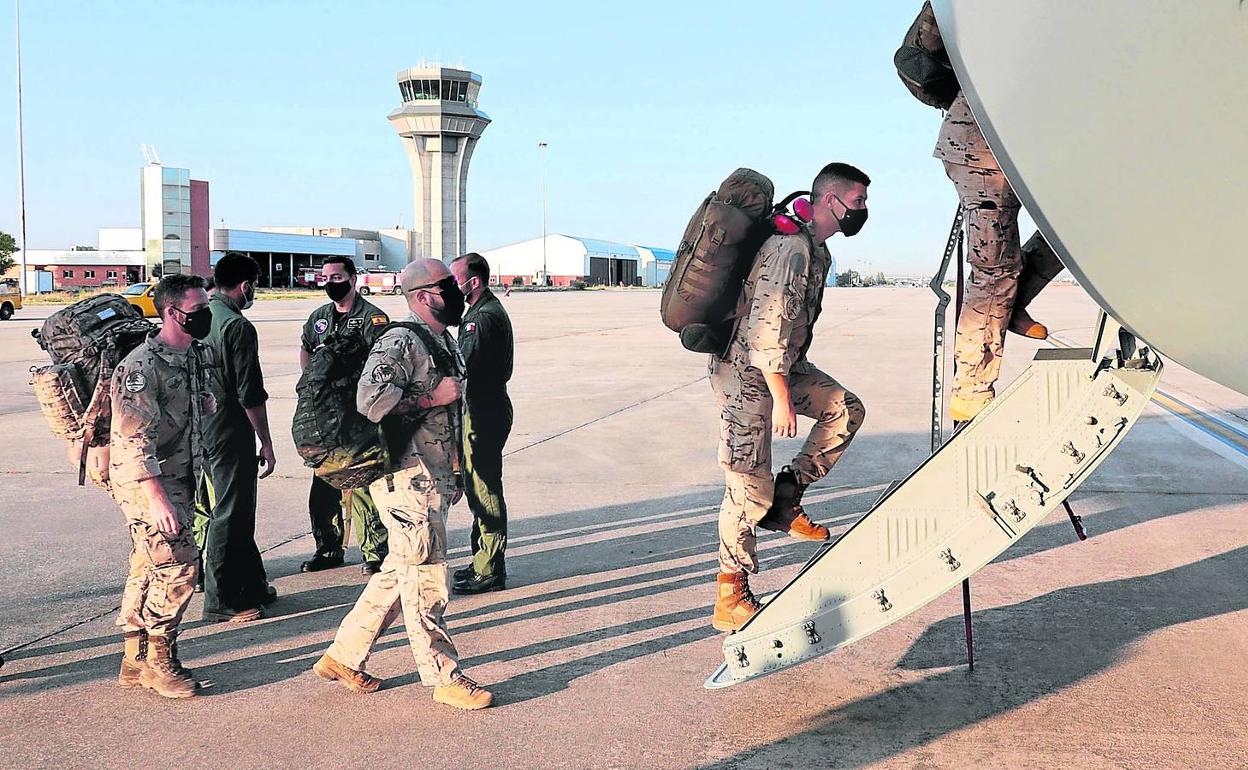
440	125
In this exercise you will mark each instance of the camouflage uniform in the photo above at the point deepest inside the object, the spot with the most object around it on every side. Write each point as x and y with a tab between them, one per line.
413	505
781	302
994	288
158	397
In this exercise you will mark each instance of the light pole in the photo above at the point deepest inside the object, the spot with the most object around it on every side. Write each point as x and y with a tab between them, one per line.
545	278
21	151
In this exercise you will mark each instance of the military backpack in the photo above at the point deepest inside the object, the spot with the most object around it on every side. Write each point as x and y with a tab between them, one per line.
86	341
702	298
923	63
342	446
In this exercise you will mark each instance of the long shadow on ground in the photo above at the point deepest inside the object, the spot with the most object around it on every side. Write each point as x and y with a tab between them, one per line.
1024	652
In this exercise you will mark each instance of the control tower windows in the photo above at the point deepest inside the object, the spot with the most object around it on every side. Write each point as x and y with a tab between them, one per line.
445	90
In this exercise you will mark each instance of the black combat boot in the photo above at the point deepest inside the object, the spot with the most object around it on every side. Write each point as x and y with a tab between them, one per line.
786	513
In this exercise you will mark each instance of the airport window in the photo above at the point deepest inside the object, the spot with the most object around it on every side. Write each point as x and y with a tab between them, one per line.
67	273
112	273
88	273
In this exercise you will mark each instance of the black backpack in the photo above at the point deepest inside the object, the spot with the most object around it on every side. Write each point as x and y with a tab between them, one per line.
85	341
342	446
923	63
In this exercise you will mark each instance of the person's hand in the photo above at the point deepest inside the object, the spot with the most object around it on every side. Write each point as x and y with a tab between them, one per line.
448	391
166	518
783	419
268	460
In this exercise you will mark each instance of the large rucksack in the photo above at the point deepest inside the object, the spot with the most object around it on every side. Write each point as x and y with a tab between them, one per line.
86	341
923	63
713	260
342	446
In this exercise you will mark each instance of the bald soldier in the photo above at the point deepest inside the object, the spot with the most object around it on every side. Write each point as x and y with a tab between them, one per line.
412	386
158	398
1004	277
764	381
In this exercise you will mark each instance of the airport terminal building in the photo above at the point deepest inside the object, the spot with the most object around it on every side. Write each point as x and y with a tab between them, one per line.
288	256
567	259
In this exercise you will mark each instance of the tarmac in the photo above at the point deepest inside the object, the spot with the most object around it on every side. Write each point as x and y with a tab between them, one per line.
1125	650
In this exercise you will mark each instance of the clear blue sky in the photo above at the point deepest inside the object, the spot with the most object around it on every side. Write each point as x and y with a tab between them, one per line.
646	106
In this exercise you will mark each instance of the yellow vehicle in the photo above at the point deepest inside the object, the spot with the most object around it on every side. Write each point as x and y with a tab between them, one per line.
140	295
10	298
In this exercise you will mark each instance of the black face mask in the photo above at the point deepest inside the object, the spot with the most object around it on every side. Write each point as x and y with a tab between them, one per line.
337	290
249	295
852	220
197	323
452	311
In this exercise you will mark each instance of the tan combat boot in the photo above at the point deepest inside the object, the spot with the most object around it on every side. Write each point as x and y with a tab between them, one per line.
786	513
356	681
463	693
133	661
1023	324
162	675
736	603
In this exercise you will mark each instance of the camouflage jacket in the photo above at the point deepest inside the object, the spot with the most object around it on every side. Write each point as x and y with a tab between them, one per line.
400	369
779	304
960	141
158	397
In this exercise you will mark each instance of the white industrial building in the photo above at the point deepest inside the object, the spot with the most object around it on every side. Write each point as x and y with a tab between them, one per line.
563	260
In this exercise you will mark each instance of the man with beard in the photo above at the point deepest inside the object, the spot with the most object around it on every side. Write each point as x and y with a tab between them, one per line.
413	386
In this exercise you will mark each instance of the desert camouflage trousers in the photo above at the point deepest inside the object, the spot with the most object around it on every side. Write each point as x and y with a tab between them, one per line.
162	568
1003	276
412	580
745	446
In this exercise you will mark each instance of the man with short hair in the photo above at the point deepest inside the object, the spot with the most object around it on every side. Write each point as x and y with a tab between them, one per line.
235	583
346	313
412	386
159	397
764	381
485	338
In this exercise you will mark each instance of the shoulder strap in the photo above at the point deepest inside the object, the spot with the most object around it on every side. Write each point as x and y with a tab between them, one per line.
443	361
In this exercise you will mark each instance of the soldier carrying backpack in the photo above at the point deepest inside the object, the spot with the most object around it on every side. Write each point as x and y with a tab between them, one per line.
157	395
1006	277
759	327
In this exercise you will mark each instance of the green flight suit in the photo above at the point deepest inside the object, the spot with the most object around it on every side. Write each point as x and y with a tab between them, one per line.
485	338
325	502
234	576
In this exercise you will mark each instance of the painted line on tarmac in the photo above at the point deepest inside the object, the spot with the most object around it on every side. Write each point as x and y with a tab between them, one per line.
1220	430
609	415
